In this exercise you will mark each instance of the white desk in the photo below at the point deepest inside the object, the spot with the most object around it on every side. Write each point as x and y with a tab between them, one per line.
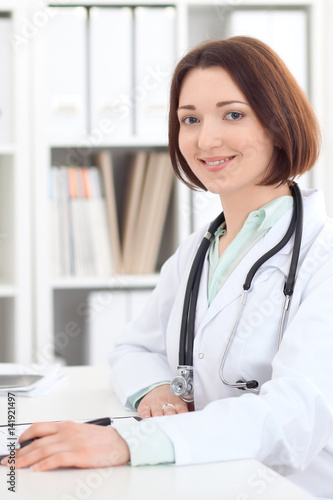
86	395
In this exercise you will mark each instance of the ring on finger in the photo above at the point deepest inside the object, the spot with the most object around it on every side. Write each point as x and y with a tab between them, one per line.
168	404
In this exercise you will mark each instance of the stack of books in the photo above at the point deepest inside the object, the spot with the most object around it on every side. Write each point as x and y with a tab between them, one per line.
88	239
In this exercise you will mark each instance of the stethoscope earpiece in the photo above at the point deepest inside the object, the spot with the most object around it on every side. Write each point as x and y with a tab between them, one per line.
250	384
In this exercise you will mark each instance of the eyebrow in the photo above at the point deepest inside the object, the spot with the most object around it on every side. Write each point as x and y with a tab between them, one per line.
218	104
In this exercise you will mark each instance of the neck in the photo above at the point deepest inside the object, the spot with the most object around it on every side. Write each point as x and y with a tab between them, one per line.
236	207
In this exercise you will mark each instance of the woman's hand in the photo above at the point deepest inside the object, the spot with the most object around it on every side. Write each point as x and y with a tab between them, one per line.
153	403
69	444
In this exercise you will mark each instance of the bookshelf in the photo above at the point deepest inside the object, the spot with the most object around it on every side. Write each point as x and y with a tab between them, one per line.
49	315
16	340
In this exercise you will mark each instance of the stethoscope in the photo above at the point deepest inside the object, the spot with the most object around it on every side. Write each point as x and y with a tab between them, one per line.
182	385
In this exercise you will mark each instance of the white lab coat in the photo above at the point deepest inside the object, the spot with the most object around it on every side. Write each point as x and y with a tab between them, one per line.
289	425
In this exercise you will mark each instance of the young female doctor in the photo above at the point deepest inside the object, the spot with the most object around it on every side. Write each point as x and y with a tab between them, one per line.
262	352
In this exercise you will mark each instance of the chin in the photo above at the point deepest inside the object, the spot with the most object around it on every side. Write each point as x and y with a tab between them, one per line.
214	187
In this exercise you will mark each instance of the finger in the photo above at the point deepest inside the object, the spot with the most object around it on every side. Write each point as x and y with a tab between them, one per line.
113	451
181	407
48	444
68	458
65	459
40	429
144	411
157	411
34	454
37	443
76	445
170	409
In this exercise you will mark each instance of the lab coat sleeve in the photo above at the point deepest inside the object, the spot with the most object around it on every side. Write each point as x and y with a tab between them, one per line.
291	420
139	359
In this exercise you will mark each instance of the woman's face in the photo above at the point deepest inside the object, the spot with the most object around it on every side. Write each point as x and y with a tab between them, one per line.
220	136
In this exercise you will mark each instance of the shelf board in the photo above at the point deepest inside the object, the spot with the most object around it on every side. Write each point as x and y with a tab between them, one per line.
133	141
7	291
101	3
7	149
251	3
120	281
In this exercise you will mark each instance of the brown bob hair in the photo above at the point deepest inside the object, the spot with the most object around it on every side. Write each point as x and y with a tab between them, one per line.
272	92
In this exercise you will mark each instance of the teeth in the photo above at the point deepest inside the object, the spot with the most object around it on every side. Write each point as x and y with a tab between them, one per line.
218	161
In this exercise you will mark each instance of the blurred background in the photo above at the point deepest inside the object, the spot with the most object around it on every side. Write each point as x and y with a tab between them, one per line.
89	209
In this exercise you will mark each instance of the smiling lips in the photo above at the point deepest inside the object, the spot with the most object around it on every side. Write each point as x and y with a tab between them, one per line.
213	164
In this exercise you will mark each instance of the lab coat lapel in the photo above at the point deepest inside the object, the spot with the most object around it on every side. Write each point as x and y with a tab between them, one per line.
233	287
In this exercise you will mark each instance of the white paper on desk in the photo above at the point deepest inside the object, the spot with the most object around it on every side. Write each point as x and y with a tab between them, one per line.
52	375
6	438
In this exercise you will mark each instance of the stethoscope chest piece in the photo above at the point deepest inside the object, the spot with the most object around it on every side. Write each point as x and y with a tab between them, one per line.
182	385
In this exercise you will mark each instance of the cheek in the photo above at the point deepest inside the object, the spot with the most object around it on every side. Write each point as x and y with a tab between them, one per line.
259	142
185	145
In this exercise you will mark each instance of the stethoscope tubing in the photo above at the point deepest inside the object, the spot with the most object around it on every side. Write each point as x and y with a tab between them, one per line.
292	228
192	289
290	282
238	385
191	295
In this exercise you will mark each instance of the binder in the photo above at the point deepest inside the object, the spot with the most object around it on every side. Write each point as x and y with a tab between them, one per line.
99	226
62	231
83	229
151	214
155	54
104	162
75	208
55	224
285	31
156	214
144	211
81	240
132	205
111	40
6	84
66	70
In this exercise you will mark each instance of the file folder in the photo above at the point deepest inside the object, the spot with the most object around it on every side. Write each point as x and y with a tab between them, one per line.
6	83
66	69
111	39
155	53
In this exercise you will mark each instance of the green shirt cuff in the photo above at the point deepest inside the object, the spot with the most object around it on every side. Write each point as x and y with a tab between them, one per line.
148	444
134	400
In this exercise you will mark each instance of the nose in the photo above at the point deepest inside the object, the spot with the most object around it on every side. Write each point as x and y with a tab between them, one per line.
210	135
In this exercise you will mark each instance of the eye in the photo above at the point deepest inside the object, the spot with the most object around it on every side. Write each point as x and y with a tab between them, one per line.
234	115
189	120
